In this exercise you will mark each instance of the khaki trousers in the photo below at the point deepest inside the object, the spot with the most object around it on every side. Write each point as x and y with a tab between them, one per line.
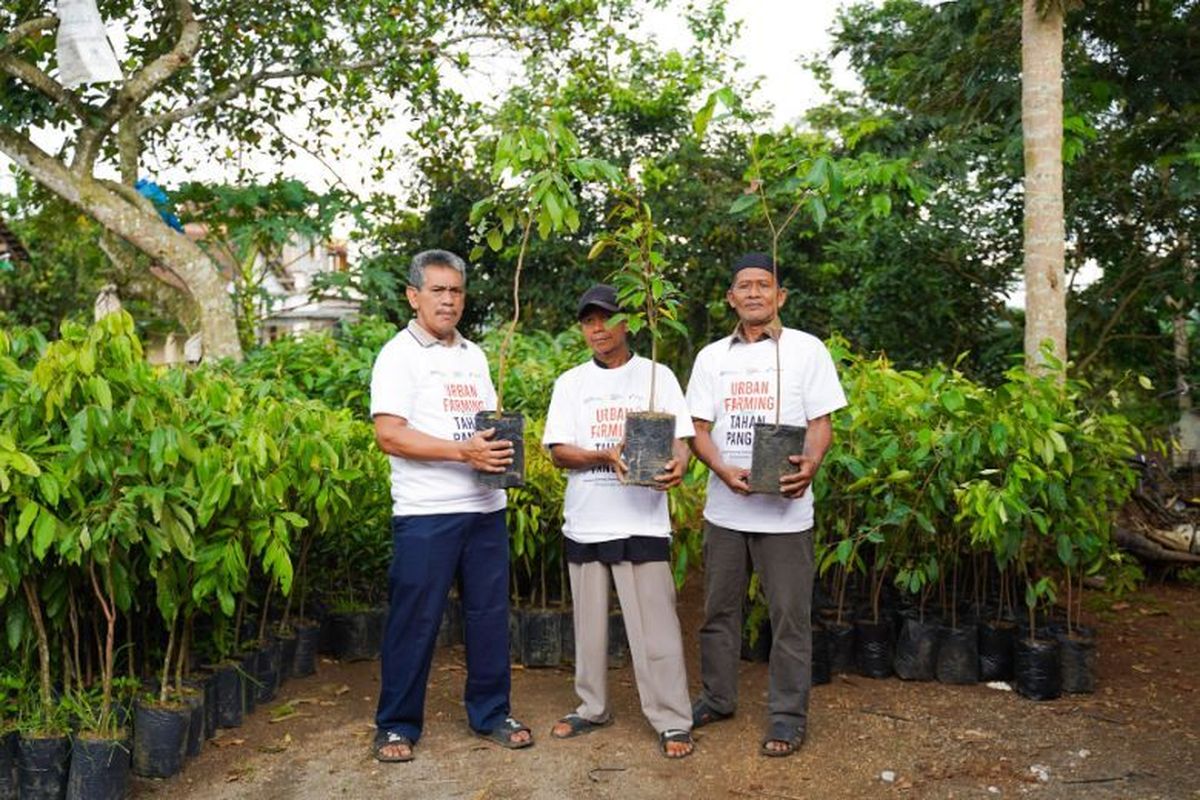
647	596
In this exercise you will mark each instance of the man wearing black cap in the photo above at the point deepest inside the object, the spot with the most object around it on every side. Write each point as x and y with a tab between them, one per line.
735	384
618	530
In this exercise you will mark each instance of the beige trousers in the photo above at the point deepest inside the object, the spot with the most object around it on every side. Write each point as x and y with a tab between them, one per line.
647	596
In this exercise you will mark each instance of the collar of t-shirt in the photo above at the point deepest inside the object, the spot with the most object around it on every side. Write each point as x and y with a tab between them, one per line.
427	339
773	331
602	365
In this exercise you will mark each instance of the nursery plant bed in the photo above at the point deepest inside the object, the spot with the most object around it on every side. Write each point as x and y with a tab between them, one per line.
940	740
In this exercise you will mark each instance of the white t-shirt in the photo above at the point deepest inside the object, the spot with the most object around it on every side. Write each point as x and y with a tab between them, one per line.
733	387
587	409
437	389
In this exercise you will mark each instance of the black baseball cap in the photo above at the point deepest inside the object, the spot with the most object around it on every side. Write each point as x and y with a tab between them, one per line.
751	261
601	296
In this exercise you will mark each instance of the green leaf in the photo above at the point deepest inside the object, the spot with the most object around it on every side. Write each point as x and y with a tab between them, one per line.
43	534
1145	382
495	239
14	626
1066	553
101	391
25	520
953	400
704	116
816	207
881	205
743	203
844	548
554	207
599	247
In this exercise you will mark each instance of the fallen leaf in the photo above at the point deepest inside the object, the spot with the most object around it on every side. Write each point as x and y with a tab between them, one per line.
277	747
1140	668
219	742
341	690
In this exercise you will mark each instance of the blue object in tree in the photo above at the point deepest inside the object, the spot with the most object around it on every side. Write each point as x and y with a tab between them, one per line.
155	194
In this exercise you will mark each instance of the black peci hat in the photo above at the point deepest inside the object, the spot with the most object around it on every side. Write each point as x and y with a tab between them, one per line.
751	261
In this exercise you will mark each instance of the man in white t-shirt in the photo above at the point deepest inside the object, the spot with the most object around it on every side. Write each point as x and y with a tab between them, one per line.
619	530
426	386
733	386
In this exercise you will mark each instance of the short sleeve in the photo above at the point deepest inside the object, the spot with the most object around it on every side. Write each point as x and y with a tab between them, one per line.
822	390
674	403
559	424
393	387
701	397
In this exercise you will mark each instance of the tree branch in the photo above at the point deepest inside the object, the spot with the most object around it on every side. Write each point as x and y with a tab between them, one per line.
253	79
246	83
45	168
308	151
159	71
1109	324
26	29
24	71
137	88
131	195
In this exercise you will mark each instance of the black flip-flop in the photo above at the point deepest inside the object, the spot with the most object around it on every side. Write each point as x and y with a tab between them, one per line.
387	738
790	735
703	714
675	735
580	725
502	734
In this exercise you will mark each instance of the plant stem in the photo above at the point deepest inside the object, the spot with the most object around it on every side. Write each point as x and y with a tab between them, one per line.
110	620
43	643
262	619
516	313
66	665
185	642
304	572
1069	605
166	671
954	595
73	616
129	643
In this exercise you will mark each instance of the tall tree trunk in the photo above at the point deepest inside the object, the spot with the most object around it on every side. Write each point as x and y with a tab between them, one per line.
1181	312
115	209
1042	130
1179	323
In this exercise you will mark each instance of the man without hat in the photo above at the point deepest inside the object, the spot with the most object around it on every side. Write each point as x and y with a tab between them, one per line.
732	386
426	386
618	530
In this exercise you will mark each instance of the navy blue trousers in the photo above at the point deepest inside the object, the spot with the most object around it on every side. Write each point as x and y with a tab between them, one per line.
428	553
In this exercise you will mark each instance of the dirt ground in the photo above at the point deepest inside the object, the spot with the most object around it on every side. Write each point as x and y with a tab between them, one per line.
1137	737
